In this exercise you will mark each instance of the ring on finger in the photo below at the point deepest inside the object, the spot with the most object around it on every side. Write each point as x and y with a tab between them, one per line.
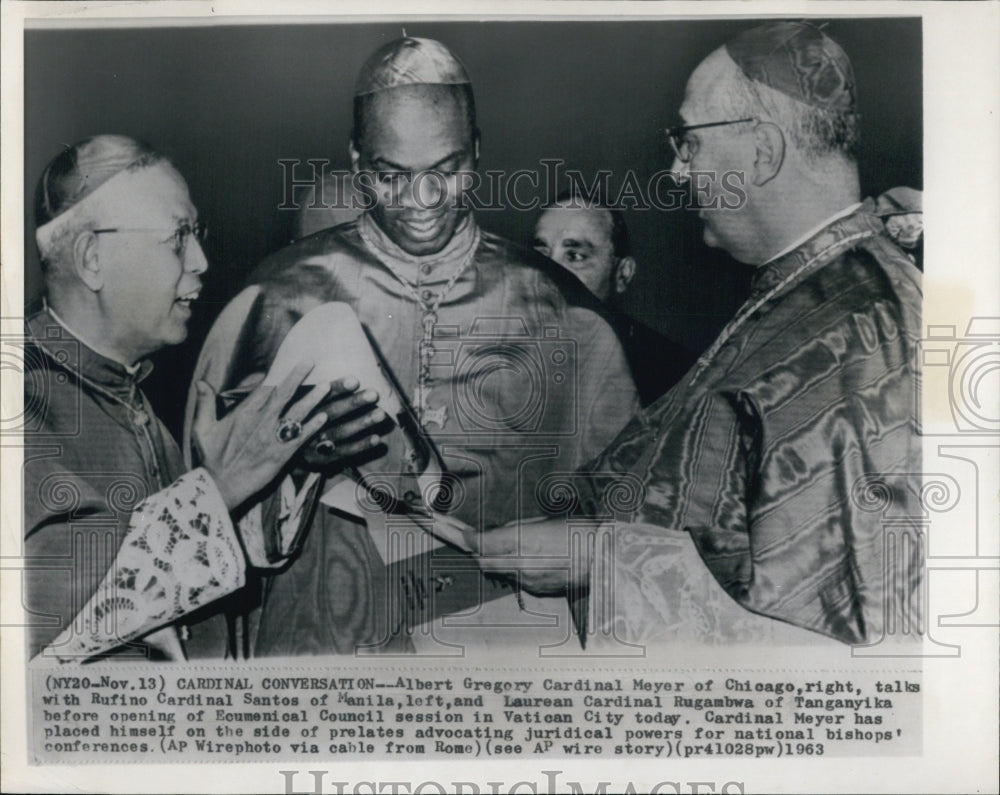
288	430
325	446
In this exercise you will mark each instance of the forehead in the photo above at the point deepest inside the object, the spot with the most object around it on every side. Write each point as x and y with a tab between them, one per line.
704	87
415	125
156	194
581	223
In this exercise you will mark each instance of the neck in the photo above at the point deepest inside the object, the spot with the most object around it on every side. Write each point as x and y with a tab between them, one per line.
86	322
792	210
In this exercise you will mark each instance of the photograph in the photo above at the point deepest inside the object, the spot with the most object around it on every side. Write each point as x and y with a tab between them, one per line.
471	402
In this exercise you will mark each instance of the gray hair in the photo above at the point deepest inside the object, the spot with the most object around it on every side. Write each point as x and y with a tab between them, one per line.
72	176
815	132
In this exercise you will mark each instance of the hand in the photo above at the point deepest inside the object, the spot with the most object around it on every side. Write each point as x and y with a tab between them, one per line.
242	451
353	425
535	551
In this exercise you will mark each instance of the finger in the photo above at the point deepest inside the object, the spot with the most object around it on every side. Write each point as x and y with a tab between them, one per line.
302	407
349	405
350	429
344	386
284	391
309	429
204	407
531	566
347	449
499	541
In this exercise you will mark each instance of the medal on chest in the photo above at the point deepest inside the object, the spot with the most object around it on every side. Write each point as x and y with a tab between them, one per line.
428	414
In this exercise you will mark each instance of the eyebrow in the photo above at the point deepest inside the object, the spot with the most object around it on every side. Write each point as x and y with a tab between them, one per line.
570	242
400	167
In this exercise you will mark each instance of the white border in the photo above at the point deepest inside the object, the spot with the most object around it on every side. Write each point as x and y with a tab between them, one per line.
962	205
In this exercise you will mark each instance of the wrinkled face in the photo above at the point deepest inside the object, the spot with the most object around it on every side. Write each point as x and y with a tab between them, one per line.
150	273
417	140
723	159
579	239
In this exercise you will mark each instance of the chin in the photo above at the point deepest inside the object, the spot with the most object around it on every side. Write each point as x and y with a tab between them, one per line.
175	337
422	248
710	238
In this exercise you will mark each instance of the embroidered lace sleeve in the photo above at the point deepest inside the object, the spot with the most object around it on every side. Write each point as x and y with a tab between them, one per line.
179	554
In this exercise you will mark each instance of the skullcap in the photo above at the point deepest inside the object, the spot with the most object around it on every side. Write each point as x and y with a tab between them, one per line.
407	62
800	61
79	170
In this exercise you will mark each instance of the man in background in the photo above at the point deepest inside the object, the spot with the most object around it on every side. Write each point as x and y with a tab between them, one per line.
591	241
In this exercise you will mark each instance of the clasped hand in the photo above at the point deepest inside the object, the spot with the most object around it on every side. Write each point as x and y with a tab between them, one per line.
242	451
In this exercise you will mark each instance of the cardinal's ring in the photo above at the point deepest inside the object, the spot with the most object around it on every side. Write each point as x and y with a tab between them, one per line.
289	430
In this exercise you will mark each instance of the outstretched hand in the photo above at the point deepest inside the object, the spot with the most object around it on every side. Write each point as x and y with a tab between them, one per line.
534	551
244	452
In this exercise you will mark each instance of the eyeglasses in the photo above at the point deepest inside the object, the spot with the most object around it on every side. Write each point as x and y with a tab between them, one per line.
178	240
684	147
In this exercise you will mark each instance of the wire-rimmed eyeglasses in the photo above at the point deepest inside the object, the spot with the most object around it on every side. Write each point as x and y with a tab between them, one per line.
178	240
685	147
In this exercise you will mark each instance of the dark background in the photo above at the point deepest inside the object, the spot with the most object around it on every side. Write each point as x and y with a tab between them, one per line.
225	103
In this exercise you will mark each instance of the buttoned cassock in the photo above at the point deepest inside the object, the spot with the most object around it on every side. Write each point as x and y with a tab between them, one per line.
527	378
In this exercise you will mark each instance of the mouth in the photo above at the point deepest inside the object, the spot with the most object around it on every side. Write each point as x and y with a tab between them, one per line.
423	228
187	299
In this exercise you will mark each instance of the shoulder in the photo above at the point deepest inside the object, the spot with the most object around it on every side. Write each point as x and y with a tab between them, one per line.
546	281
310	261
875	278
52	393
46	344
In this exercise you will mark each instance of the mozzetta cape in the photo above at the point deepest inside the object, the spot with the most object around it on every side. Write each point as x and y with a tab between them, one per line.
528	379
782	453
116	541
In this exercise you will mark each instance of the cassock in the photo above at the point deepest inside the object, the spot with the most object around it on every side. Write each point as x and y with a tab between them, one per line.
788	456
514	374
117	541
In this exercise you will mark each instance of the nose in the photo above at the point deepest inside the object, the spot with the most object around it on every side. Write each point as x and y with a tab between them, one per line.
194	257
426	191
680	170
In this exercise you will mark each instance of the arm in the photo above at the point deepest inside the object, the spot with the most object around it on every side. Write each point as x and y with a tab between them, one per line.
607	397
179	553
537	552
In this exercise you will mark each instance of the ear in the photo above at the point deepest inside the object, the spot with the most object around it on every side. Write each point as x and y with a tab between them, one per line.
354	155
476	138
624	273
86	262
770	143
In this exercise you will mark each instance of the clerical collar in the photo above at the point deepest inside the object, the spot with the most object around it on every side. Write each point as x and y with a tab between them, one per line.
821	225
778	267
466	237
100	368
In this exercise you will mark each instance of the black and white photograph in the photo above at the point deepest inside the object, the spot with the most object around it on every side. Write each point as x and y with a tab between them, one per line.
456	402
